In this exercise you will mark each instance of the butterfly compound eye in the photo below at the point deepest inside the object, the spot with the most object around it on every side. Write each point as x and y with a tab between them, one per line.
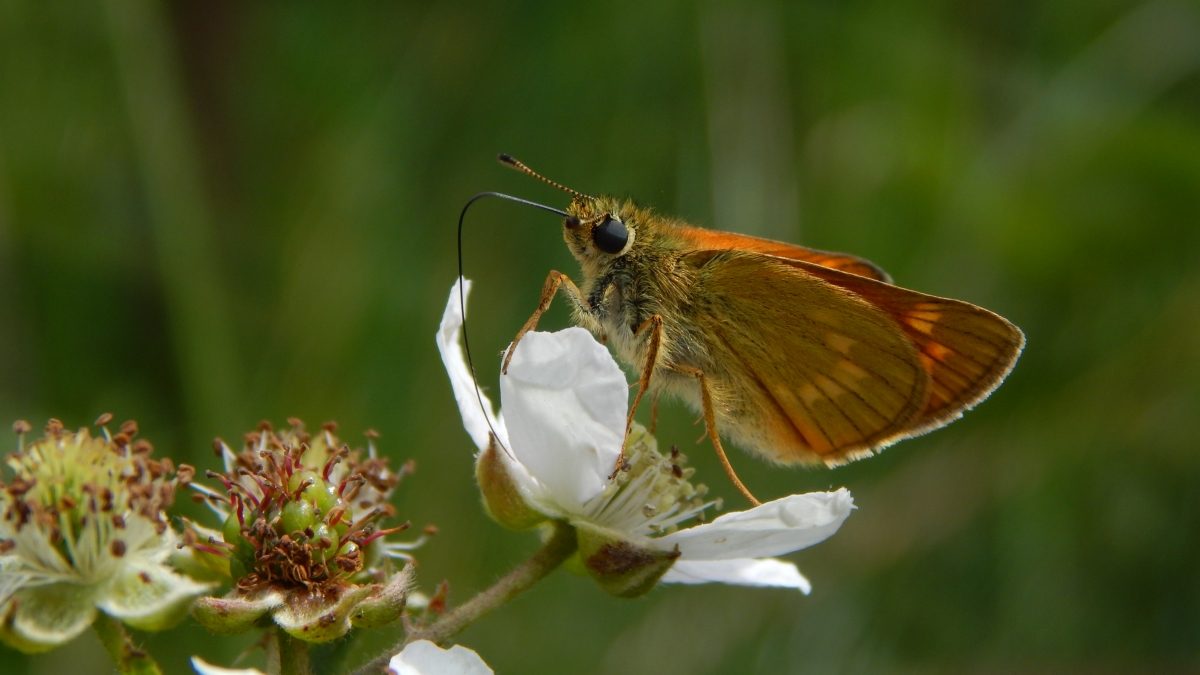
610	235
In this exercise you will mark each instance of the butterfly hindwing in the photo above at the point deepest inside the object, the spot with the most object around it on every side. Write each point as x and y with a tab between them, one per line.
804	371
966	350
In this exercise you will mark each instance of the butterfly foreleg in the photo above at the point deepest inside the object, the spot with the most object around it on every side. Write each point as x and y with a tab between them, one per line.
655	326
710	425
555	281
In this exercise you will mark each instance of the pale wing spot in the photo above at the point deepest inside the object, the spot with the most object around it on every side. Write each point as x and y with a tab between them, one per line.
852	369
875	394
927	362
842	399
938	351
839	343
809	394
831	389
825	316
927	315
921	325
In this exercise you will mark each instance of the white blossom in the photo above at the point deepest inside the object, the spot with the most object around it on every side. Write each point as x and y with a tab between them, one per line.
83	530
561	431
423	657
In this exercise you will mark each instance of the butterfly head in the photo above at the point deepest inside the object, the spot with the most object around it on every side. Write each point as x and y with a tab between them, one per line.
596	229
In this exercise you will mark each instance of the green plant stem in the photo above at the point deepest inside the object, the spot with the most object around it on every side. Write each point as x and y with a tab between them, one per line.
553	553
287	655
126	656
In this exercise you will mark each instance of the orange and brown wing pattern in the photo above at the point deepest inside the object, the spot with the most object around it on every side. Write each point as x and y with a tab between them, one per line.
703	239
802	370
966	350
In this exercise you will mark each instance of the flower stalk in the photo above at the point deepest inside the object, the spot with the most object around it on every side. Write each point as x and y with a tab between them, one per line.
560	546
286	655
127	657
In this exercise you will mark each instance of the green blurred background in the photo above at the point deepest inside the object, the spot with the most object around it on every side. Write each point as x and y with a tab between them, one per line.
217	212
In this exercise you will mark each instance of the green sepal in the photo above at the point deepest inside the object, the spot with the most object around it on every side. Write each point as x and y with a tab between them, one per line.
502	496
320	618
623	567
386	604
232	615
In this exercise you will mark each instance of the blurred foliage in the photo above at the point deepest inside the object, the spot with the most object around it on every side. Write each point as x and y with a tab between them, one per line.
216	212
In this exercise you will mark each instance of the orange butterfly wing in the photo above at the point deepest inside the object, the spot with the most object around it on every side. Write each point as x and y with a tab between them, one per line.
700	238
853	364
966	350
800	370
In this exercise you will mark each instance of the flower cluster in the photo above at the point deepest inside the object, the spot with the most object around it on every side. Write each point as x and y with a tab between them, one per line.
302	539
301	535
83	528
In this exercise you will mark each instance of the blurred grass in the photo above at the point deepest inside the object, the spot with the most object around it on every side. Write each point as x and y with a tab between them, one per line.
213	213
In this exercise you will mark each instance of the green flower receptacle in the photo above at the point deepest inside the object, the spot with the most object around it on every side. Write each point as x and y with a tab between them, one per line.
622	566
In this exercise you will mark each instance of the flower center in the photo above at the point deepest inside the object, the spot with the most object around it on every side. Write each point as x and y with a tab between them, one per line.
79	494
652	494
301	510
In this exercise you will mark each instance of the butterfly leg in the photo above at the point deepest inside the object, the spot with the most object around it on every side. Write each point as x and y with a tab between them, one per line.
710	424
654	325
555	281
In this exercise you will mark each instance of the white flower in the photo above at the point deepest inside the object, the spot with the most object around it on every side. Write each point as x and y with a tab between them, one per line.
561	430
422	657
83	529
203	667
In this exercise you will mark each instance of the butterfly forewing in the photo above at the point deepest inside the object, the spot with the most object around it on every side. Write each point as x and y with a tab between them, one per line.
730	241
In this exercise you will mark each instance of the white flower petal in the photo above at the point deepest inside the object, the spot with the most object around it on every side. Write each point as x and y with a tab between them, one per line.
777	527
462	383
425	658
739	572
149	596
205	668
48	616
565	401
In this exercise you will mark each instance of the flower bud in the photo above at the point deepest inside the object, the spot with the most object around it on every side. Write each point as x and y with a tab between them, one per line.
502	496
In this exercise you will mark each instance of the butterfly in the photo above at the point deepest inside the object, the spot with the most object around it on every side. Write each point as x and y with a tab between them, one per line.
798	355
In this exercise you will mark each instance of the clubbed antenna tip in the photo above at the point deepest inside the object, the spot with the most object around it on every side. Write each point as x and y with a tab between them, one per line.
520	166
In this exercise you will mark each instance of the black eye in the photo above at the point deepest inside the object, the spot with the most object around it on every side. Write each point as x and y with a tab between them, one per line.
610	236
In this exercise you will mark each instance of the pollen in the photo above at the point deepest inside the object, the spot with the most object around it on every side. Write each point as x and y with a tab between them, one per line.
72	486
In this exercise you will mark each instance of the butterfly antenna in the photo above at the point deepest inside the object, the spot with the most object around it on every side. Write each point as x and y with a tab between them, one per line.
520	166
462	299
